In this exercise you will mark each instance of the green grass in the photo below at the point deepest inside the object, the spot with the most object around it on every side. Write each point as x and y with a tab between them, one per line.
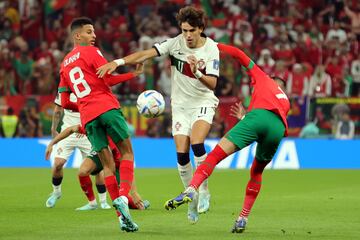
306	204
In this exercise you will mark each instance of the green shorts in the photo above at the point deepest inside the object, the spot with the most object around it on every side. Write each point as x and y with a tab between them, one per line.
262	126
99	167
111	123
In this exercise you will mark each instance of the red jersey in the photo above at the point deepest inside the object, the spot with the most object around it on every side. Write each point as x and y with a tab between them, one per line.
266	93
78	75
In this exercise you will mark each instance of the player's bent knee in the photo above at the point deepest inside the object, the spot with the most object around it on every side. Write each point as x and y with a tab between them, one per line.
84	172
183	158
128	156
59	164
198	149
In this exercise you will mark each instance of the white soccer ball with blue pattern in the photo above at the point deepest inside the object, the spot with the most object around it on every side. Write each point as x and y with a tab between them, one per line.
150	104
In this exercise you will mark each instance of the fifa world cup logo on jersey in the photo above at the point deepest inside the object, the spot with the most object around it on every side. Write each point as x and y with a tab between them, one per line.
201	64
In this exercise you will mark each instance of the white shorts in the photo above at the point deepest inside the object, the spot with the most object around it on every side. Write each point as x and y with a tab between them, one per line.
66	147
184	118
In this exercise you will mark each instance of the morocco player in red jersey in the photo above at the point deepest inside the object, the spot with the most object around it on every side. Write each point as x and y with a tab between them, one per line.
265	123
99	112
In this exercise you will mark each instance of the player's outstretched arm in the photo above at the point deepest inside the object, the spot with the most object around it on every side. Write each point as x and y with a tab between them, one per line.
64	134
112	80
135	58
136	196
236	53
58	112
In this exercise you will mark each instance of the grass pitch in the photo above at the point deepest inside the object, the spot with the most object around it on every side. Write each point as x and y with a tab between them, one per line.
304	204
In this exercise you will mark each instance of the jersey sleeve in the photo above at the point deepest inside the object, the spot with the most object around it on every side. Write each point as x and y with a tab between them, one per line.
112	80
213	64
236	53
164	47
66	103
63	86
57	100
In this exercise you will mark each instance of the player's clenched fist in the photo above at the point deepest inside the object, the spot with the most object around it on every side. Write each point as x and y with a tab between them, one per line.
193	63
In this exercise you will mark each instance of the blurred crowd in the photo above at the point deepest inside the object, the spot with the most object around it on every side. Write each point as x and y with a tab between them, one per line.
313	45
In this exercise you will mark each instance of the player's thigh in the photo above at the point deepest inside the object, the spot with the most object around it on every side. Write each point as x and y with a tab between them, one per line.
84	145
59	163
199	131
182	143
88	166
227	146
269	142
96	134
64	148
125	148
181	121
244	132
94	164
115	124
201	120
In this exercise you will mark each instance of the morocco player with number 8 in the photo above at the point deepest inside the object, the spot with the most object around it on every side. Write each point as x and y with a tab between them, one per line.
265	123
99	112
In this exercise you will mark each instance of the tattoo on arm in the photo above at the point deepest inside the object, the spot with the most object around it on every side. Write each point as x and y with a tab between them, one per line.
58	111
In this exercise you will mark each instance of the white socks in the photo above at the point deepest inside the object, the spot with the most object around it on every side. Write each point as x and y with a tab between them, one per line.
102	197
185	173
57	189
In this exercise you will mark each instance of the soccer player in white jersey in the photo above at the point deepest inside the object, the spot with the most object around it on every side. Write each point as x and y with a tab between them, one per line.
195	69
64	149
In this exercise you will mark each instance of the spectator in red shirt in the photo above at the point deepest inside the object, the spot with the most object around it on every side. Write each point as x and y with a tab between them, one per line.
283	51
320	83
266	62
31	28
281	71
298	82
116	19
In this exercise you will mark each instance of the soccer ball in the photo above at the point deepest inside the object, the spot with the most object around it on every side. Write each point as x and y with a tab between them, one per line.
150	104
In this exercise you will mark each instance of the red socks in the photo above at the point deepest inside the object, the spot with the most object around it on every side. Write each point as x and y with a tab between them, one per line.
86	186
205	169
126	170
253	186
112	187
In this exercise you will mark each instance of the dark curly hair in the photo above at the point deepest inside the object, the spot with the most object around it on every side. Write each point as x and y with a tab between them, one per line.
194	16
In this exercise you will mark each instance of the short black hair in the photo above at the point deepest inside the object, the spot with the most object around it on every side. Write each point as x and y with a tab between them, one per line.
279	79
79	22
194	16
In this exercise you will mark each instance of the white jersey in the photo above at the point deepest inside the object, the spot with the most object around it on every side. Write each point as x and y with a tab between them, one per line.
186	90
70	118
65	148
